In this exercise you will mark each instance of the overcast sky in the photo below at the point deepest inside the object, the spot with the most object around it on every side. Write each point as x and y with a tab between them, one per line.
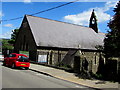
76	13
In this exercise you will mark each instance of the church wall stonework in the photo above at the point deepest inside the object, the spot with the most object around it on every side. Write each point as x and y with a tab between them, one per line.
92	59
55	57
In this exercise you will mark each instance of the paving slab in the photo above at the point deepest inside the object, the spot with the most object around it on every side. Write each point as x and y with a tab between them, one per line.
62	74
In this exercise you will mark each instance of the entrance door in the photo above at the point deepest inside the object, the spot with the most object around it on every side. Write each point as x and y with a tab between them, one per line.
77	64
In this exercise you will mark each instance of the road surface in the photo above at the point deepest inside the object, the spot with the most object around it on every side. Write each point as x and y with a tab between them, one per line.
20	78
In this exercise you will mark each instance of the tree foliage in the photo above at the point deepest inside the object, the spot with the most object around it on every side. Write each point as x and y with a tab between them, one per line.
112	40
6	45
13	36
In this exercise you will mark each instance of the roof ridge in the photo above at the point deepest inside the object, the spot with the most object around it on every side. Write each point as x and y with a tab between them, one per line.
57	21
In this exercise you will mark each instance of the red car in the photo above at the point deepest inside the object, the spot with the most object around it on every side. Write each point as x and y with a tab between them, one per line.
17	60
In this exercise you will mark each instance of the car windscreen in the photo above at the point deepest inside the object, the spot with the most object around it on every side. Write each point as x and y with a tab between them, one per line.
12	55
23	59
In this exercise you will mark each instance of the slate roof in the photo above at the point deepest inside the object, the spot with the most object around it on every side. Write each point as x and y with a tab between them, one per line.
52	33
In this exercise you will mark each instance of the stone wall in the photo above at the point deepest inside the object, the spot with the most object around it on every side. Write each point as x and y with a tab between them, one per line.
57	57
25	41
54	57
89	61
92	59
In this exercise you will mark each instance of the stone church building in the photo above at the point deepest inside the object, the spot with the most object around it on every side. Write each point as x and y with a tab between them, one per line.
54	43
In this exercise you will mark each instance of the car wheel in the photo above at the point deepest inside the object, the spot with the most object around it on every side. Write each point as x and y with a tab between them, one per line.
13	66
26	68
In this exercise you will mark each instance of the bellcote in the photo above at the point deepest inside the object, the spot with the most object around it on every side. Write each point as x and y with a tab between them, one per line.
93	22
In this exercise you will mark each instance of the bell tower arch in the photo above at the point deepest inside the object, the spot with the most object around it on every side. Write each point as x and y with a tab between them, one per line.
93	22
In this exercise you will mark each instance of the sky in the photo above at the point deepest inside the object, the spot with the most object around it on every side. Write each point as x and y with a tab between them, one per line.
75	13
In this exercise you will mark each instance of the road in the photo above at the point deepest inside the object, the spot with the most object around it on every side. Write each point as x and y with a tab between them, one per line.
20	78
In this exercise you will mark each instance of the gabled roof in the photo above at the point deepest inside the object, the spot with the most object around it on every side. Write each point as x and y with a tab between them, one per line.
52	33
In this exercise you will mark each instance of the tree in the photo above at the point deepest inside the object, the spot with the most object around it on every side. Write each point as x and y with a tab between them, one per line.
6	45
13	36
112	40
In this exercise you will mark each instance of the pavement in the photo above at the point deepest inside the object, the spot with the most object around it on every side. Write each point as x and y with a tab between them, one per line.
62	74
